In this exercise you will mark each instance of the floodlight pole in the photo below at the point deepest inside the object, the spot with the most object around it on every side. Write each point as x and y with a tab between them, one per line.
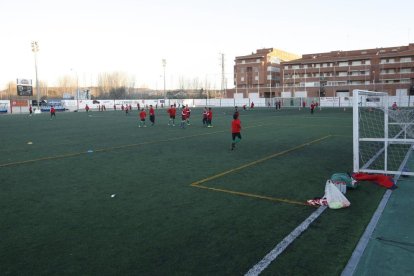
164	63
35	49
77	89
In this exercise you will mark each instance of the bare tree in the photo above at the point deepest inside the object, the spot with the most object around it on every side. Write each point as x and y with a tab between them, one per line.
114	81
182	83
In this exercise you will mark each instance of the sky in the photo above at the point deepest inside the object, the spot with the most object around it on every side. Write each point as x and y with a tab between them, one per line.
86	37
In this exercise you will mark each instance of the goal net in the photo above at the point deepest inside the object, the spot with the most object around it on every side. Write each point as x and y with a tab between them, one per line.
383	136
289	102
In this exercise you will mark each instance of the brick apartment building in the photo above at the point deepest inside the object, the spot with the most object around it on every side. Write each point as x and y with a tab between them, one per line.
259	72
330	74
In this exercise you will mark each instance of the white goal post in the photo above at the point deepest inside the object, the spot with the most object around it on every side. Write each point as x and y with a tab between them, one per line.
383	135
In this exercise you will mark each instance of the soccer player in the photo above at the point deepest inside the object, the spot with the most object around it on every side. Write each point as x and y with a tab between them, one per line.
236	111
152	115
142	116
172	111
87	108
235	131
209	117
30	110
394	106
188	113
205	112
312	107
183	117
52	112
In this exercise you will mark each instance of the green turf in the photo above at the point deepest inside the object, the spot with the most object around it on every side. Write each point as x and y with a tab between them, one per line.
58	216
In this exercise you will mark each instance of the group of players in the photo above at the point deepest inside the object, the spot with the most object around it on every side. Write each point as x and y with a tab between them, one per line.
185	120
172	112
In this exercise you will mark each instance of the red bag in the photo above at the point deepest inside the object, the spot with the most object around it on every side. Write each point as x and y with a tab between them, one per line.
380	179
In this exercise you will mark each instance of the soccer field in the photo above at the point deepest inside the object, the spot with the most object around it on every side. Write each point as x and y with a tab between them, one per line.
96	195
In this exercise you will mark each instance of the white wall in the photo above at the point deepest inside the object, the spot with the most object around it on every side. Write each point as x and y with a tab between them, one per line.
253	95
286	94
301	94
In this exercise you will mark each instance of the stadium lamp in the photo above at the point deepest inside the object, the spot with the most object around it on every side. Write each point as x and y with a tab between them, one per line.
164	63
35	49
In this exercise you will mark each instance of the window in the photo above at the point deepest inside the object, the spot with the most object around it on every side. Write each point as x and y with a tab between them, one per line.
273	69
258	60
243	61
405	59
242	79
367	62
343	63
390	60
295	66
356	62
405	70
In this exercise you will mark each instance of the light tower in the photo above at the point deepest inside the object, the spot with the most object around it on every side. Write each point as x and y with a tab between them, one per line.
35	49
164	63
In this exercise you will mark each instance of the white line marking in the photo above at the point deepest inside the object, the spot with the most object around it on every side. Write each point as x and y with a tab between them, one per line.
272	255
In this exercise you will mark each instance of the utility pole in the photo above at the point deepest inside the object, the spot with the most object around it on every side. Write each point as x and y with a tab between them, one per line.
35	49
223	78
164	63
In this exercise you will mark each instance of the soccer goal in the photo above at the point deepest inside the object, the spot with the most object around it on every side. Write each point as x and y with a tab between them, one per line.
383	137
287	102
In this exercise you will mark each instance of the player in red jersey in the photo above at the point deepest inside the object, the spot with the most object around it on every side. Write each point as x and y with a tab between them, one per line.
235	131
183	117
188	113
205	116
152	115
52	112
312	107
209	117
142	116
172	111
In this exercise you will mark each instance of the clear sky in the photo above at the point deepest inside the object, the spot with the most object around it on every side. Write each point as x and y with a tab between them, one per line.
133	36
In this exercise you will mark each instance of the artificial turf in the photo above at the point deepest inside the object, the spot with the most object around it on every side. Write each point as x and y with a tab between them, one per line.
98	195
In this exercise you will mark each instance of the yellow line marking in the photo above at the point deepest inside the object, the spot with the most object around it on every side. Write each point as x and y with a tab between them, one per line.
112	148
258	161
103	149
274	199
197	184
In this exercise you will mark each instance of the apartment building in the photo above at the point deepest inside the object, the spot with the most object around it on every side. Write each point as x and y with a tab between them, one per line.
331	74
259	72
337	73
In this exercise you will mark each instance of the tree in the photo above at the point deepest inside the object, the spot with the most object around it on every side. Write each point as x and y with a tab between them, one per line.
114	84
117	93
67	84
